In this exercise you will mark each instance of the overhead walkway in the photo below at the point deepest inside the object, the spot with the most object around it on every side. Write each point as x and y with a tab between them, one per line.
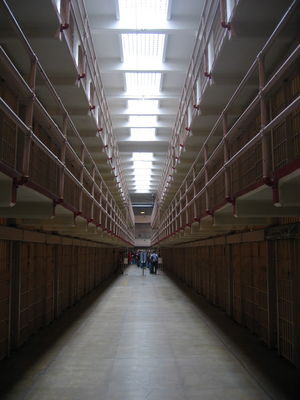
144	337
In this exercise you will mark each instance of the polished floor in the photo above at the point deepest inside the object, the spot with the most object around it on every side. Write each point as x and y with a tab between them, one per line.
146	338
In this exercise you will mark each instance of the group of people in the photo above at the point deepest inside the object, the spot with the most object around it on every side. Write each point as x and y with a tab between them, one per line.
145	259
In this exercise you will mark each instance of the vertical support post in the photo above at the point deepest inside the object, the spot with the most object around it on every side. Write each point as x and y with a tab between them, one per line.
106	211
266	151
93	193
222	12
226	158
29	119
194	195
206	178
180	210
15	295
56	281
229	309
82	157
271	292
65	14
63	158
186	203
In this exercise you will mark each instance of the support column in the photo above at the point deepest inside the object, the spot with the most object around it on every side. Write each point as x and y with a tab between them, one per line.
266	148
63	159
15	295
271	293
228	196
29	120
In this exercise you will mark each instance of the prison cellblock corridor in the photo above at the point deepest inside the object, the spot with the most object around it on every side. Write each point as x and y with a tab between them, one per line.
146	337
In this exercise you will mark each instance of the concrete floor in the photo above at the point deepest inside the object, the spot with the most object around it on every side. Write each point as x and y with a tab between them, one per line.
146	338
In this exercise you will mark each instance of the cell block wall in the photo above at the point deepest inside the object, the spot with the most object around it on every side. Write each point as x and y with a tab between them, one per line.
39	281
254	280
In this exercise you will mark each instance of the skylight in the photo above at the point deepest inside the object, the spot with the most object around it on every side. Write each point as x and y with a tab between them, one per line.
142	156
142	190
143	13
142	173
143	48
139	180
142	134
142	164
143	83
142	106
142	120
144	186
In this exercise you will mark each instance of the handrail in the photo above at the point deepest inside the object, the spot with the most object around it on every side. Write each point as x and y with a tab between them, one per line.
250	71
96	79
60	135
209	11
167	218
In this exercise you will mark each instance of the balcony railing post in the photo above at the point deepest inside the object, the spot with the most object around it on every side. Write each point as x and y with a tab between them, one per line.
206	178
194	194
181	207
176	217
93	193
226	158
63	158
82	158
186	203
65	14
29	119
265	141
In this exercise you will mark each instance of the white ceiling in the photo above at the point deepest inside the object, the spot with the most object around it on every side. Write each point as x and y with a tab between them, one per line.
180	33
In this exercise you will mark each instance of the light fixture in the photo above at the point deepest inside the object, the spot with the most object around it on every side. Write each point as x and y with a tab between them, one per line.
142	164
143	13
142	106
142	120
142	134
143	48
143	83
142	156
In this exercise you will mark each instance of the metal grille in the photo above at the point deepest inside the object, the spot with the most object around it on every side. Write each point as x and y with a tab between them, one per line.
43	170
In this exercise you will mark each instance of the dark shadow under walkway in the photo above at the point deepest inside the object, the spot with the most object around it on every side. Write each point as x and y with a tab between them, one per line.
146	338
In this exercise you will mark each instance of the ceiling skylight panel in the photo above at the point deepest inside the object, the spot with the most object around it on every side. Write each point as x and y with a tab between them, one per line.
143	12
142	164
142	190
143	48
142	186
138	172
142	134
142	106
142	120
141	180
142	156
143	83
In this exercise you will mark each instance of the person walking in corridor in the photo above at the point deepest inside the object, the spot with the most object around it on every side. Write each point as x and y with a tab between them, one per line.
154	262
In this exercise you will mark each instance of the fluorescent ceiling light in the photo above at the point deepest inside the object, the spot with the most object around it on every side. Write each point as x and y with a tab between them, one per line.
142	134
143	48
142	190
142	120
143	83
142	180
142	156
141	13
137	185
142	164
142	106
141	173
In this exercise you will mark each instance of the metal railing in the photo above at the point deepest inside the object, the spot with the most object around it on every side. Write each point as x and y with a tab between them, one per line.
74	26
253	150
59	172
212	30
